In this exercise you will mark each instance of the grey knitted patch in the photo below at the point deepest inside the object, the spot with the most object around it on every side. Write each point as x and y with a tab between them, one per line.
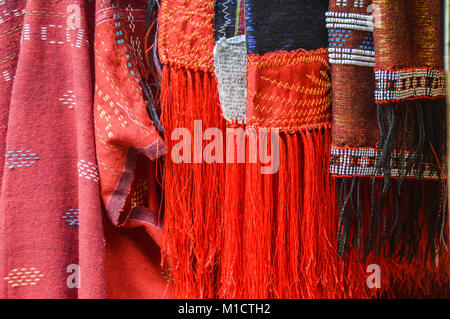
230	63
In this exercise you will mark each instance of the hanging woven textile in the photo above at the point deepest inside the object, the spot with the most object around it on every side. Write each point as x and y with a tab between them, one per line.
126	137
278	90
193	188
127	147
230	66
262	219
354	130
410	91
287	92
388	137
50	208
274	219
410	97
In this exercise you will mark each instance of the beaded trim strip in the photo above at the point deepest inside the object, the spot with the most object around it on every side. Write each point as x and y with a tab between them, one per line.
350	37
356	3
352	56
352	21
350	162
397	85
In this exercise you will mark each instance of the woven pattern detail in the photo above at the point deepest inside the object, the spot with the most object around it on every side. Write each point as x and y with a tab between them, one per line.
88	170
20	158
71	217
350	38
350	162
397	85
186	33
288	90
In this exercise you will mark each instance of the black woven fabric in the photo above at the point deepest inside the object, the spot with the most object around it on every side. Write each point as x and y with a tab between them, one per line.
225	19
274	25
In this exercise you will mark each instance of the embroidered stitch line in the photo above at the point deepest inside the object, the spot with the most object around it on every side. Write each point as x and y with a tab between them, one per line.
88	170
71	217
20	159
289	103
20	277
186	33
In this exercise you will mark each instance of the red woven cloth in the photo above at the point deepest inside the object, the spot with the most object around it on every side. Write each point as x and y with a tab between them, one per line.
54	240
51	234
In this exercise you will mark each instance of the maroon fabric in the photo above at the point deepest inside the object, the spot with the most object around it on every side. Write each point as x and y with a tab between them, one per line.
126	139
127	145
133	260
50	211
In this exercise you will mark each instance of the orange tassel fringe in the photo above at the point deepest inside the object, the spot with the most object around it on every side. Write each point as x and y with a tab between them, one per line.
193	192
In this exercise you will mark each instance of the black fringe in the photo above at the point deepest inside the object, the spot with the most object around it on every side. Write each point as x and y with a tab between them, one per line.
152	88
403	204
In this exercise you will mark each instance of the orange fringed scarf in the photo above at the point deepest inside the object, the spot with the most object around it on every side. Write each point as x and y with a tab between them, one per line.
289	91
280	229
289	224
231	231
193	192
